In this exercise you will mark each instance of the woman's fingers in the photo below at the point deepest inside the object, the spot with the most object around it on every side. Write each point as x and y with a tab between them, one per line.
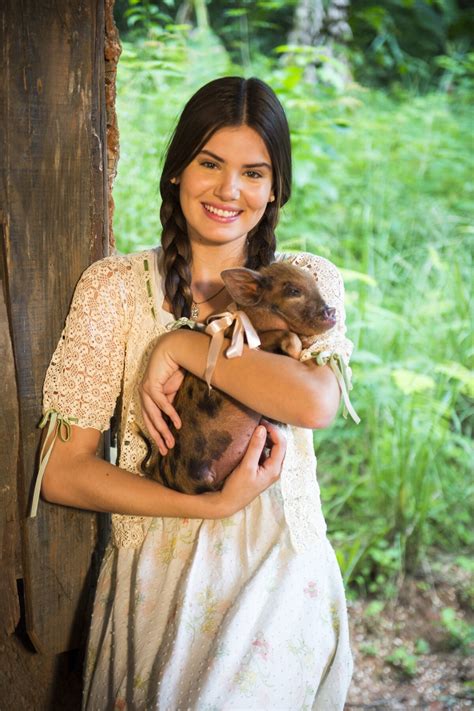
254	448
173	384
274	434
154	421
250	478
271	467
156	403
155	435
274	462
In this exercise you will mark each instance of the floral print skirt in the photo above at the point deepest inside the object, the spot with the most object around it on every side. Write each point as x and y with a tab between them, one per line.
217	615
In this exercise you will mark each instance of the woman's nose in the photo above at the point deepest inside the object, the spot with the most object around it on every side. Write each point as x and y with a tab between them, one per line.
228	187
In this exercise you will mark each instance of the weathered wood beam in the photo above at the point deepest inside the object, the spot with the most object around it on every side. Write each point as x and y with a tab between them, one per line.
54	195
9	441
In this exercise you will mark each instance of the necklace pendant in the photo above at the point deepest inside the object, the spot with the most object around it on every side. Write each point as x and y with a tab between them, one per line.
194	311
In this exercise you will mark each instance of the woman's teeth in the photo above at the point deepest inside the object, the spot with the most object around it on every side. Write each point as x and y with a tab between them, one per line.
221	213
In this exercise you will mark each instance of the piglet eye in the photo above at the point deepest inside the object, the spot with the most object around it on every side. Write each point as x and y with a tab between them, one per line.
291	290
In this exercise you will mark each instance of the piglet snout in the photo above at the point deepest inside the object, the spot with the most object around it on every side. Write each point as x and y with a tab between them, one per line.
328	313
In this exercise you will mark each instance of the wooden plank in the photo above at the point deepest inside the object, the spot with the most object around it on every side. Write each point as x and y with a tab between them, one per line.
9	439
55	198
112	53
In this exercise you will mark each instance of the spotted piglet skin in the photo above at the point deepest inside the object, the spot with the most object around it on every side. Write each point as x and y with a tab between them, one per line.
211	442
285	306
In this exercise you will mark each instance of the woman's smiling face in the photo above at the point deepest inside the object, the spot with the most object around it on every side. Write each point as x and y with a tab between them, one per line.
224	191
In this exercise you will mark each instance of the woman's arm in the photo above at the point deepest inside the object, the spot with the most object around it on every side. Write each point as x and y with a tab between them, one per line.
75	476
282	388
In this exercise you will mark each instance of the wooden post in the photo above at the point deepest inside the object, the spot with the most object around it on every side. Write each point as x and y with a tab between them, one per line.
53	196
9	439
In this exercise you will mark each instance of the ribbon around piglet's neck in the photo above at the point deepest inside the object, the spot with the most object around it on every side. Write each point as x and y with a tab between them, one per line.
216	327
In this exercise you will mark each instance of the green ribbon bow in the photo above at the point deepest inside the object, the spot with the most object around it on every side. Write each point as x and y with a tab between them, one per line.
59	426
341	371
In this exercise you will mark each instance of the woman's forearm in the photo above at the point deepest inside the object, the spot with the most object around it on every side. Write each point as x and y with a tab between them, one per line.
87	482
282	388
75	476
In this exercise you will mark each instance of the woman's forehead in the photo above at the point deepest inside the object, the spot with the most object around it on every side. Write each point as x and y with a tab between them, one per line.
238	142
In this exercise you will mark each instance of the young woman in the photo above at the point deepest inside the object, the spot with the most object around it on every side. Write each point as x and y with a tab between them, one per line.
228	600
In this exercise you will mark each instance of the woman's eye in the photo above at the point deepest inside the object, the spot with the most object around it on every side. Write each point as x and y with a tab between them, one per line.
208	164
253	174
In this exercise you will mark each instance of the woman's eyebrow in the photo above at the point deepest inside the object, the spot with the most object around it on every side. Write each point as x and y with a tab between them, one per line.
262	164
257	165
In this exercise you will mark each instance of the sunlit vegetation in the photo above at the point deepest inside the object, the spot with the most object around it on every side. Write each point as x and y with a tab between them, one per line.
383	184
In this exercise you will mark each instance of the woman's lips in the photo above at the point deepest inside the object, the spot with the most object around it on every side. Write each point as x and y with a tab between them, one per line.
220	214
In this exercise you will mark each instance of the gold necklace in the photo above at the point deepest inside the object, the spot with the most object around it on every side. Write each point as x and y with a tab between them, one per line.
196	304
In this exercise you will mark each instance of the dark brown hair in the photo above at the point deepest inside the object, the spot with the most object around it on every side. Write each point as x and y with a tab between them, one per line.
229	101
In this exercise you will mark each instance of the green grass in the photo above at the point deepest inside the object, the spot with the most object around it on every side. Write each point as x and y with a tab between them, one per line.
383	187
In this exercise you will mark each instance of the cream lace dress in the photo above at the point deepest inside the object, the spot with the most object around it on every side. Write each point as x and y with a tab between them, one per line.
242	613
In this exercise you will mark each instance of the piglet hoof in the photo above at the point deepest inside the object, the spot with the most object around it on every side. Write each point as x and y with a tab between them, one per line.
291	345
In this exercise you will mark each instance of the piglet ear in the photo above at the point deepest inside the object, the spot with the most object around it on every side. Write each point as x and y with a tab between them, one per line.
244	285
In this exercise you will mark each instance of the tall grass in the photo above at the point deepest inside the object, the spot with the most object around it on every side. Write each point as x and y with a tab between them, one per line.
383	188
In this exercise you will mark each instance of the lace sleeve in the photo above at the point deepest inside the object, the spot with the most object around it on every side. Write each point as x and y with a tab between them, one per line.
331	348
331	286
84	377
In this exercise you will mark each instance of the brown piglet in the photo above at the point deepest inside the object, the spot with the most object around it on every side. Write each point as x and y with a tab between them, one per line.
287	310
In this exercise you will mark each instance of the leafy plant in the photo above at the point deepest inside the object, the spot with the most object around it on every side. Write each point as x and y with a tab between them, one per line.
382	187
422	646
398	40
461	633
458	72
402	660
369	649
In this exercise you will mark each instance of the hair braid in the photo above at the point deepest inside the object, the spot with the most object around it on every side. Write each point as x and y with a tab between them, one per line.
176	259
222	103
261	241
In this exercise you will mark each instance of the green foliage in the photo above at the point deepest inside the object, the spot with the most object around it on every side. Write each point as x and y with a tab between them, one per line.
383	187
369	649
402	660
397	40
400	217
251	27
458	72
246	28
461	633
416	43
374	609
422	646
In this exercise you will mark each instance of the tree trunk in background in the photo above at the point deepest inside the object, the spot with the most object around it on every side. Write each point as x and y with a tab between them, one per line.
185	13
335	25
309	17
58	154
315	25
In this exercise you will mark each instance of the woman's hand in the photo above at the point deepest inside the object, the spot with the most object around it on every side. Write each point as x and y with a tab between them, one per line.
252	476
161	382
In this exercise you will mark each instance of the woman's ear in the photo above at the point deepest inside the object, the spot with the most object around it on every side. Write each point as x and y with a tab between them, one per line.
175	181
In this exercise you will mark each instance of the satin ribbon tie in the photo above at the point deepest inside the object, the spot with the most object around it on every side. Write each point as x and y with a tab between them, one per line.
341	371
59	426
216	328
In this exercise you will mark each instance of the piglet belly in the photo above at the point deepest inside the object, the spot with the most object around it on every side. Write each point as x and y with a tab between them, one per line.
240	422
213	438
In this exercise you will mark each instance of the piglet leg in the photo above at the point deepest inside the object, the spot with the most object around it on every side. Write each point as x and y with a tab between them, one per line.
280	341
